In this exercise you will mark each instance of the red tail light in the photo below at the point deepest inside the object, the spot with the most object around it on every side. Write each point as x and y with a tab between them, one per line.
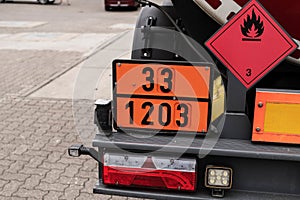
164	173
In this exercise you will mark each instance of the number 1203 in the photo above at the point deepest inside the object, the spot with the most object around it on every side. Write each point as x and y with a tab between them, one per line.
164	112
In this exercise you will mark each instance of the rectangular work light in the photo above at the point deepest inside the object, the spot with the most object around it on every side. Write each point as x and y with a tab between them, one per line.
151	172
218	177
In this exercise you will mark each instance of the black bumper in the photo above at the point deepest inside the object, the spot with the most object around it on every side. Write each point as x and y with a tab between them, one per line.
162	195
223	147
260	171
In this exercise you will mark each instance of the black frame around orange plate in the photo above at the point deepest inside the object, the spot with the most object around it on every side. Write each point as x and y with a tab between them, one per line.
129	88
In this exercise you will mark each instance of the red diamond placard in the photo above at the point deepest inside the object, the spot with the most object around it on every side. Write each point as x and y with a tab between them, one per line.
251	44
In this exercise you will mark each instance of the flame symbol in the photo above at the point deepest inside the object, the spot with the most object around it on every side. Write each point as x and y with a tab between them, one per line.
253	27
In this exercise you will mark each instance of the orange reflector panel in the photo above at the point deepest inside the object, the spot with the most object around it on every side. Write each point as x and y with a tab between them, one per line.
276	117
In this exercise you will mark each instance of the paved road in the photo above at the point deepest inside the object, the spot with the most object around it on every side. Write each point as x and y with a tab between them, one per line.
39	45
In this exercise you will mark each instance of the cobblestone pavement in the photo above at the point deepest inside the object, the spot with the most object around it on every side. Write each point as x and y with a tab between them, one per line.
34	164
36	132
22	71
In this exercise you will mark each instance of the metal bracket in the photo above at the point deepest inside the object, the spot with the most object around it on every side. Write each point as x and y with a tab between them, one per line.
146	51
219	193
103	116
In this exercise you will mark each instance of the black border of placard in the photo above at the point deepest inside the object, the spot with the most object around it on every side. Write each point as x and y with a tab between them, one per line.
183	64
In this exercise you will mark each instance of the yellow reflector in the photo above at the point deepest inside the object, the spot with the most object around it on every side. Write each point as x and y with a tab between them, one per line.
276	116
218	102
282	118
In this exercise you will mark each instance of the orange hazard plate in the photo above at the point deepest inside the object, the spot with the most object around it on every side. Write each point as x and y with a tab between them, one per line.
161	97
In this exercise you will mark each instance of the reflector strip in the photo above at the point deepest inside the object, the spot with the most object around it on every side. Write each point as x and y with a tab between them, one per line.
160	179
276	117
282	118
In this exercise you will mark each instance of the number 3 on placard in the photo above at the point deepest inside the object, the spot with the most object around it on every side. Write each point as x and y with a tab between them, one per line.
249	72
148	71
167	80
184	111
